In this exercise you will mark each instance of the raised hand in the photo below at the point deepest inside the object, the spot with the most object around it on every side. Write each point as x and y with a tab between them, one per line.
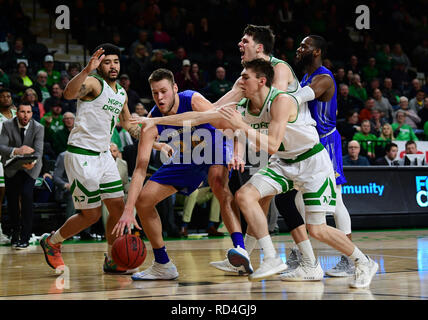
95	60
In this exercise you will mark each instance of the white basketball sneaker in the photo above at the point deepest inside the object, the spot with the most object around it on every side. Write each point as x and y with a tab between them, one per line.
157	271
364	273
238	258
344	268
304	272
269	267
225	266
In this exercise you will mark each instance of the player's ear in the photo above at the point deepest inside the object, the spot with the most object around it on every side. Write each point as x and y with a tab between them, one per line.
259	48
175	87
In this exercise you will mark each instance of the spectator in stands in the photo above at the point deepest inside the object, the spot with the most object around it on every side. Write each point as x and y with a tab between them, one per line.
412	119
353	158
60	137
411	148
52	121
383	59
349	128
205	36
188	37
391	94
21	135
339	76
41	87
219	60
374	84
415	87
158	61
18	53
161	39
382	104
197	77
290	52
391	150
346	103
138	69
425	86
20	81
356	88
173	20
402	131
370	71
140	110
183	78
400	78
67	105
54	76
133	97
386	134
177	61
200	196
217	88
30	98
143	39
399	57
423	114
4	78
73	69
65	79
366	139
354	66
376	122
366	112
417	103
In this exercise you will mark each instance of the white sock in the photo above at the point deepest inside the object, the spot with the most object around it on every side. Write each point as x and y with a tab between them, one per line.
250	243
266	245
357	255
56	238
305	247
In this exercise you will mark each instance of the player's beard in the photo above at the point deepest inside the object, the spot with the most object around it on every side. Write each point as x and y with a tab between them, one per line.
107	76
305	61
171	106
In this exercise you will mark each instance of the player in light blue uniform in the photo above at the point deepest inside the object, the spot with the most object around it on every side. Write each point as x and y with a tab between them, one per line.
320	91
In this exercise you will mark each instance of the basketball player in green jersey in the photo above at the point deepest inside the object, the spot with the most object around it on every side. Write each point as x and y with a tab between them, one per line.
258	42
91	170
6	113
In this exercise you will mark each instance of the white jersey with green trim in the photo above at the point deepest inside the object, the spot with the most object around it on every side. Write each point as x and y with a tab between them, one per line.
294	86
3	119
300	135
97	118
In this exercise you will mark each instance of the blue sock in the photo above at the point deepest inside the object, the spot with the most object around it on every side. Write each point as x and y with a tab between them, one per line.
237	239
184	224
160	255
210	224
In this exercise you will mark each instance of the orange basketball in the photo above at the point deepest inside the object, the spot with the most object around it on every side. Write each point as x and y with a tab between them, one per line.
129	251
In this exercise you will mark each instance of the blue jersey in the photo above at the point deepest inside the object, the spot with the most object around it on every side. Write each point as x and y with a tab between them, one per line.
324	113
195	150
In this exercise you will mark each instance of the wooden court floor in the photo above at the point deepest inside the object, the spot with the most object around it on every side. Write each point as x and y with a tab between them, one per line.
402	256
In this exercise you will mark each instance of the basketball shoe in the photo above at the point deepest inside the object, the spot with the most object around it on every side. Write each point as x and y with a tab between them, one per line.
344	268
157	271
52	251
239	258
304	272
110	267
294	259
225	266
267	268
364	273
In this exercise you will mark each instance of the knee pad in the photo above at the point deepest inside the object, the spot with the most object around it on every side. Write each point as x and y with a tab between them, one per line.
286	205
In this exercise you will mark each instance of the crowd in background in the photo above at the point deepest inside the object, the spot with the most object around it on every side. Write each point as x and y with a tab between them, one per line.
381	73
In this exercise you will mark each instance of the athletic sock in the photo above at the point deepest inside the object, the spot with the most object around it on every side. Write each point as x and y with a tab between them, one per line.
56	238
161	256
305	247
266	245
238	239
357	255
250	243
210	224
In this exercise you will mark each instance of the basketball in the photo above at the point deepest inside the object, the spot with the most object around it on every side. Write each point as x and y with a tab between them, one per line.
129	251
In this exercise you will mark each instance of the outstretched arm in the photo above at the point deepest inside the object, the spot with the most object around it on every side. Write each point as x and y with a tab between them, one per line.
81	86
143	157
125	117
234	94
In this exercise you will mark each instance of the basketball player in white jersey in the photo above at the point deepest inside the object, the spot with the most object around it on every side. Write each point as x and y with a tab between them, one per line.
298	159
6	113
90	167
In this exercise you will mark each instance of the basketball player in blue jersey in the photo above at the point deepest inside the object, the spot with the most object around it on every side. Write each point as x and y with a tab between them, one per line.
174	177
319	89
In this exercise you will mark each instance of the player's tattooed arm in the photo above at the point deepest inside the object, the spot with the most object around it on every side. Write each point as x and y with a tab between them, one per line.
135	132
124	117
